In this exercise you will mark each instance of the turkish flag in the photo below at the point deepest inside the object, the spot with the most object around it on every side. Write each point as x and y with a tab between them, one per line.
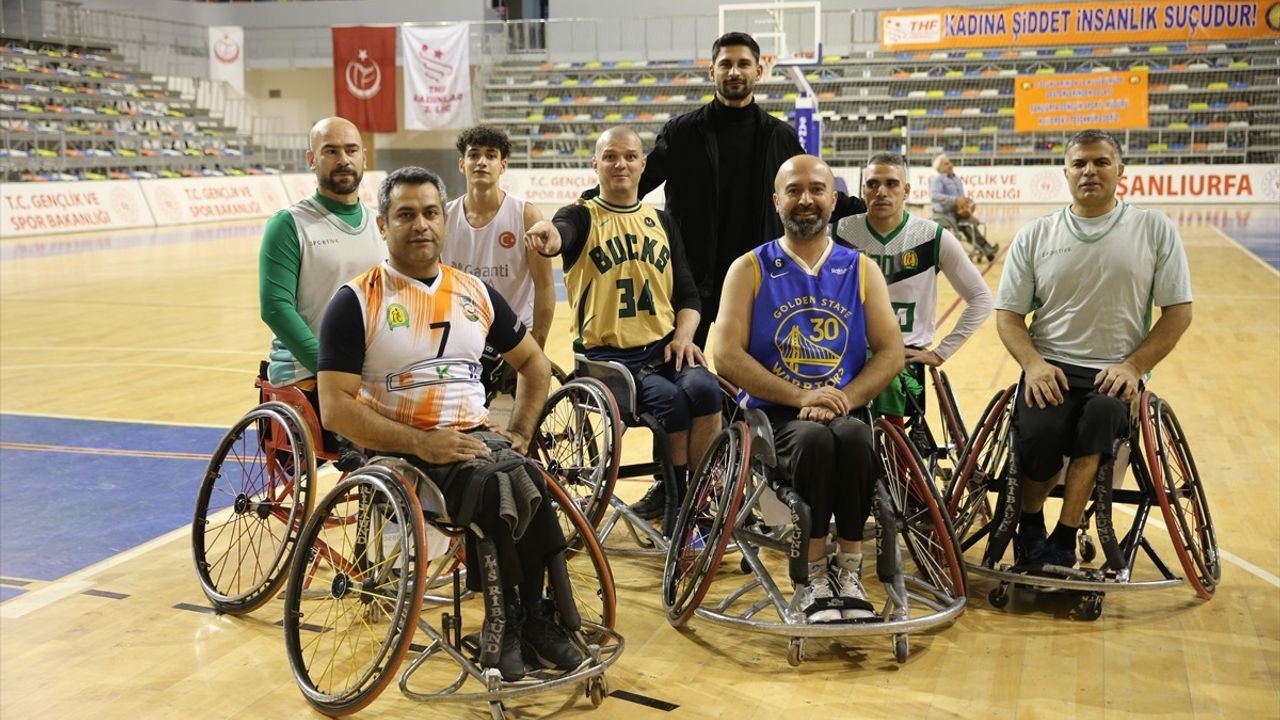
364	76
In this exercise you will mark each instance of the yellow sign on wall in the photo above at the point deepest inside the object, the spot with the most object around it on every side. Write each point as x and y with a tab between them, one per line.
1108	100
1084	23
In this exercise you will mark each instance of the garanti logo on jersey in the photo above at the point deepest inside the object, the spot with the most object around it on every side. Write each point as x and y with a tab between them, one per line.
397	316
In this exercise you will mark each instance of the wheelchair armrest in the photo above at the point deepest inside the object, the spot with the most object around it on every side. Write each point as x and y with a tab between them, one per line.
616	377
433	505
762	448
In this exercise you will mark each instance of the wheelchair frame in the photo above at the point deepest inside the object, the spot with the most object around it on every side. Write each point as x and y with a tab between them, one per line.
735	474
1164	471
386	578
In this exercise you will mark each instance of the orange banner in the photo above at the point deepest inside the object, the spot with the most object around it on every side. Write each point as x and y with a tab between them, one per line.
1110	100
1085	23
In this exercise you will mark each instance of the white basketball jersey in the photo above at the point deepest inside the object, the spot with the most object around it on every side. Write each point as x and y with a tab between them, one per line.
494	253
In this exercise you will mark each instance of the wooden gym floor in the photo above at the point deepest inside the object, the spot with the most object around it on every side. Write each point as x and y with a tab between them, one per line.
123	356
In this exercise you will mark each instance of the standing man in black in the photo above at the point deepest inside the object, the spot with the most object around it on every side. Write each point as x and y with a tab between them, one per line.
718	163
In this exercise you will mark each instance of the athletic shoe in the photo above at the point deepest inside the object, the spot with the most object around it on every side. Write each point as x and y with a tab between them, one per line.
814	598
549	643
654	502
511	659
1029	541
848	587
1057	556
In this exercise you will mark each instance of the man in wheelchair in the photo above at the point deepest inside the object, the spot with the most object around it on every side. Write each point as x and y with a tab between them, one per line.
635	302
807	332
1090	274
400	374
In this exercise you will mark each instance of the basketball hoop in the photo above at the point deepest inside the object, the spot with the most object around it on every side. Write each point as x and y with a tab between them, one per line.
768	61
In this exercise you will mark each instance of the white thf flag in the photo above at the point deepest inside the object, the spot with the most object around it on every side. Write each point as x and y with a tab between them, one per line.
226	55
437	77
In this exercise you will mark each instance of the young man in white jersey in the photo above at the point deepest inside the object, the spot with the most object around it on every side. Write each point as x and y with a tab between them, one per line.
911	251
400	374
803	290
486	227
310	249
1090	273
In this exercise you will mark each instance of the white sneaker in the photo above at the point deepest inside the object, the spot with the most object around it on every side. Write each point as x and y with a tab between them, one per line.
848	586
809	600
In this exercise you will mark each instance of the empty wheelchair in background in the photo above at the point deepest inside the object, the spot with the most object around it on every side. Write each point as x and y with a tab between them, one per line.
736	496
256	493
1159	458
356	589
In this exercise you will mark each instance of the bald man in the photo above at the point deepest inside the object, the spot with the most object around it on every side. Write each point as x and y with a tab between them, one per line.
797	318
311	248
634	301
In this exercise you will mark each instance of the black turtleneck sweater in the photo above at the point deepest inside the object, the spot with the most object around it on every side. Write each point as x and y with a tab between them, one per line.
737	183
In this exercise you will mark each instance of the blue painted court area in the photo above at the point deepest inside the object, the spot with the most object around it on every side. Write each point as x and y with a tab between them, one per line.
75	492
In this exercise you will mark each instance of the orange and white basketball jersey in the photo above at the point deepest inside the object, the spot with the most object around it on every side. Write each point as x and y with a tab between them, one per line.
441	330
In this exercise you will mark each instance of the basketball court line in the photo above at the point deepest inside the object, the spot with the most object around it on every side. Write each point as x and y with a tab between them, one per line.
92	418
1245	249
1225	555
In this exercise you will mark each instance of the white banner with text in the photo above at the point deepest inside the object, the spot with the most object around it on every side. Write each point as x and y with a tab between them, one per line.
187	200
67	207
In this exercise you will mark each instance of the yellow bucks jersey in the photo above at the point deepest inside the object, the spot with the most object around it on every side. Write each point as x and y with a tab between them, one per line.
620	286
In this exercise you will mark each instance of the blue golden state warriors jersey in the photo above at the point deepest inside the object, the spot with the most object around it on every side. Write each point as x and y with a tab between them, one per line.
808	327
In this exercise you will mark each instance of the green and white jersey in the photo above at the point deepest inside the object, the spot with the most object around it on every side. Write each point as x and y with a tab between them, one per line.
909	257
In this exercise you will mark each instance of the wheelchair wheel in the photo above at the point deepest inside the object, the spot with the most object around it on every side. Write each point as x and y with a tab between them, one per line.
578	440
589	569
953	424
927	532
355	591
1180	493
250	508
981	462
705	524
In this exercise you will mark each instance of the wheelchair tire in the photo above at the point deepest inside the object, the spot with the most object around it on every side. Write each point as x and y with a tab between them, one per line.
980	464
579	441
952	422
242	561
1180	494
589	569
705	523
926	530
355	591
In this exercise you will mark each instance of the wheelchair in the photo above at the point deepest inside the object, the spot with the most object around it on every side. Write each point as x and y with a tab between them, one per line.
940	452
579	439
1157	454
256	493
357	587
736	496
973	234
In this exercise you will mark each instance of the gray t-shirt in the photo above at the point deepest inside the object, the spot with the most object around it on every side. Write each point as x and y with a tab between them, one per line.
1092	282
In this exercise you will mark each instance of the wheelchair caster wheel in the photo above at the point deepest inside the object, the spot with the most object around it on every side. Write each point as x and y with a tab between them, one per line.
1088	550
901	649
597	691
999	597
1091	608
795	652
744	566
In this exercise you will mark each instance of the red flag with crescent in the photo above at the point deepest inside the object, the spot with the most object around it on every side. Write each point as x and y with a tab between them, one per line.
364	76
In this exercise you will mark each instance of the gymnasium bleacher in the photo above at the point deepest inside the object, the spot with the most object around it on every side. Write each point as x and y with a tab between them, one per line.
1209	102
87	114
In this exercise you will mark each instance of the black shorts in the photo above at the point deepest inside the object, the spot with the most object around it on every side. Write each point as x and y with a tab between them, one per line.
1086	423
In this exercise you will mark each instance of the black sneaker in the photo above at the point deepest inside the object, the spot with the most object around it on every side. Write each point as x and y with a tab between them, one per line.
550	643
1030	540
511	661
654	502
1055	556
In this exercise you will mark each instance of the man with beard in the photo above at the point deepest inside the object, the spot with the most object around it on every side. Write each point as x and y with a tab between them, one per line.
797	318
1090	273
911	251
718	163
310	249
